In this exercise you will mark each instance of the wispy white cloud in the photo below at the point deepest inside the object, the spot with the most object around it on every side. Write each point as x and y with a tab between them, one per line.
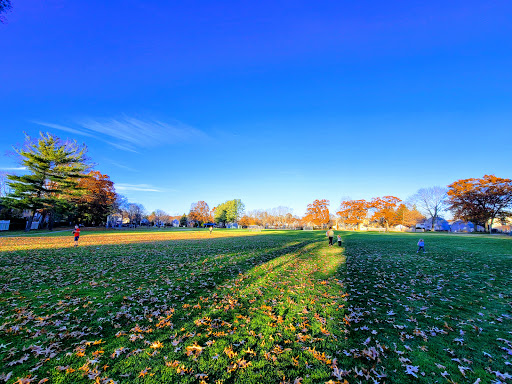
65	129
123	147
13	168
142	133
122	166
136	187
129	133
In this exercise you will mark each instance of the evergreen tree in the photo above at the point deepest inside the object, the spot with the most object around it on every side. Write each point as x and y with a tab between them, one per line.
55	168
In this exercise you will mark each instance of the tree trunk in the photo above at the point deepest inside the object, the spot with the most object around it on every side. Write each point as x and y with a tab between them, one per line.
433	227
50	221
29	223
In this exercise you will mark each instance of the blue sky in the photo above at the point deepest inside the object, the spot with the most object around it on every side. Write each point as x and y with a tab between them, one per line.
275	103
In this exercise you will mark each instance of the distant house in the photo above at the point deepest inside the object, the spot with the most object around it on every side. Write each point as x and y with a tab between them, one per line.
232	225
462	226
400	227
175	223
439	225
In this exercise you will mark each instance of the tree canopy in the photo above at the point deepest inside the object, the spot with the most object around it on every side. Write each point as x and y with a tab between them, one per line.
353	212
96	199
229	212
384	209
200	212
54	169
481	200
431	201
318	212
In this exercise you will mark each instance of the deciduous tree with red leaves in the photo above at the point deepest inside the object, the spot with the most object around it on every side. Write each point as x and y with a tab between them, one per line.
353	212
200	212
318	212
384	209
96	198
481	200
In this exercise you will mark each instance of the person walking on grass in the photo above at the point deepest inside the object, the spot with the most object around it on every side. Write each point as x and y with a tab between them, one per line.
421	246
339	240
330	235
76	232
211	229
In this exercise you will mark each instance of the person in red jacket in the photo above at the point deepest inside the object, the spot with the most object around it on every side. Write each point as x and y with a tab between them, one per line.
76	232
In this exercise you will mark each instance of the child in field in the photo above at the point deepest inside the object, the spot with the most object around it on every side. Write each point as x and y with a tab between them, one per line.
421	246
339	240
330	235
211	229
76	232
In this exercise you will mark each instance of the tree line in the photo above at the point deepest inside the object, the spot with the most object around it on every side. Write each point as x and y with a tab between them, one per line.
482	201
60	185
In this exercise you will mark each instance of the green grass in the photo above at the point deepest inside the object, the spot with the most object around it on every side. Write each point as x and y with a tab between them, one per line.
256	308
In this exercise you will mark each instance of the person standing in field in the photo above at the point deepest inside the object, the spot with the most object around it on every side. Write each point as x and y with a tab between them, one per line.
339	240
76	232
330	235
421	246
211	229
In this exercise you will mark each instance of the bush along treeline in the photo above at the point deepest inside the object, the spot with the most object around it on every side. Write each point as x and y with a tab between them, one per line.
60	187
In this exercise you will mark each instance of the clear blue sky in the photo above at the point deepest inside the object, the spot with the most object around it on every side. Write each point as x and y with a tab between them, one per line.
273	102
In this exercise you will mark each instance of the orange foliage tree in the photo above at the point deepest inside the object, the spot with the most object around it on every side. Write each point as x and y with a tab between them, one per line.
97	197
481	200
353	212
408	217
200	212
384	210
318	213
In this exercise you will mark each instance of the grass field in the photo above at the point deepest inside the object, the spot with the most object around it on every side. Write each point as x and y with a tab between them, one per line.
241	307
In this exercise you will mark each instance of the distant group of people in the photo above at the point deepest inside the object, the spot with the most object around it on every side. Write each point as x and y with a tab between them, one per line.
330	235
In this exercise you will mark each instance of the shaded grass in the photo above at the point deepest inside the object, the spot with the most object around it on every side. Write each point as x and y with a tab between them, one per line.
446	313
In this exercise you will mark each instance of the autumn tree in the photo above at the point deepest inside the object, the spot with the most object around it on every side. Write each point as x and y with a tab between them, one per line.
96	199
353	212
481	200
407	216
432	201
318	212
54	170
245	221
200	212
384	209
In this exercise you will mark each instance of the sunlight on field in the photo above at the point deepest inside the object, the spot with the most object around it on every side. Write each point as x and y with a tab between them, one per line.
17	243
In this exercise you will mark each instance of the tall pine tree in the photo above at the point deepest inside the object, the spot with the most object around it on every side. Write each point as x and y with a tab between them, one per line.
54	167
